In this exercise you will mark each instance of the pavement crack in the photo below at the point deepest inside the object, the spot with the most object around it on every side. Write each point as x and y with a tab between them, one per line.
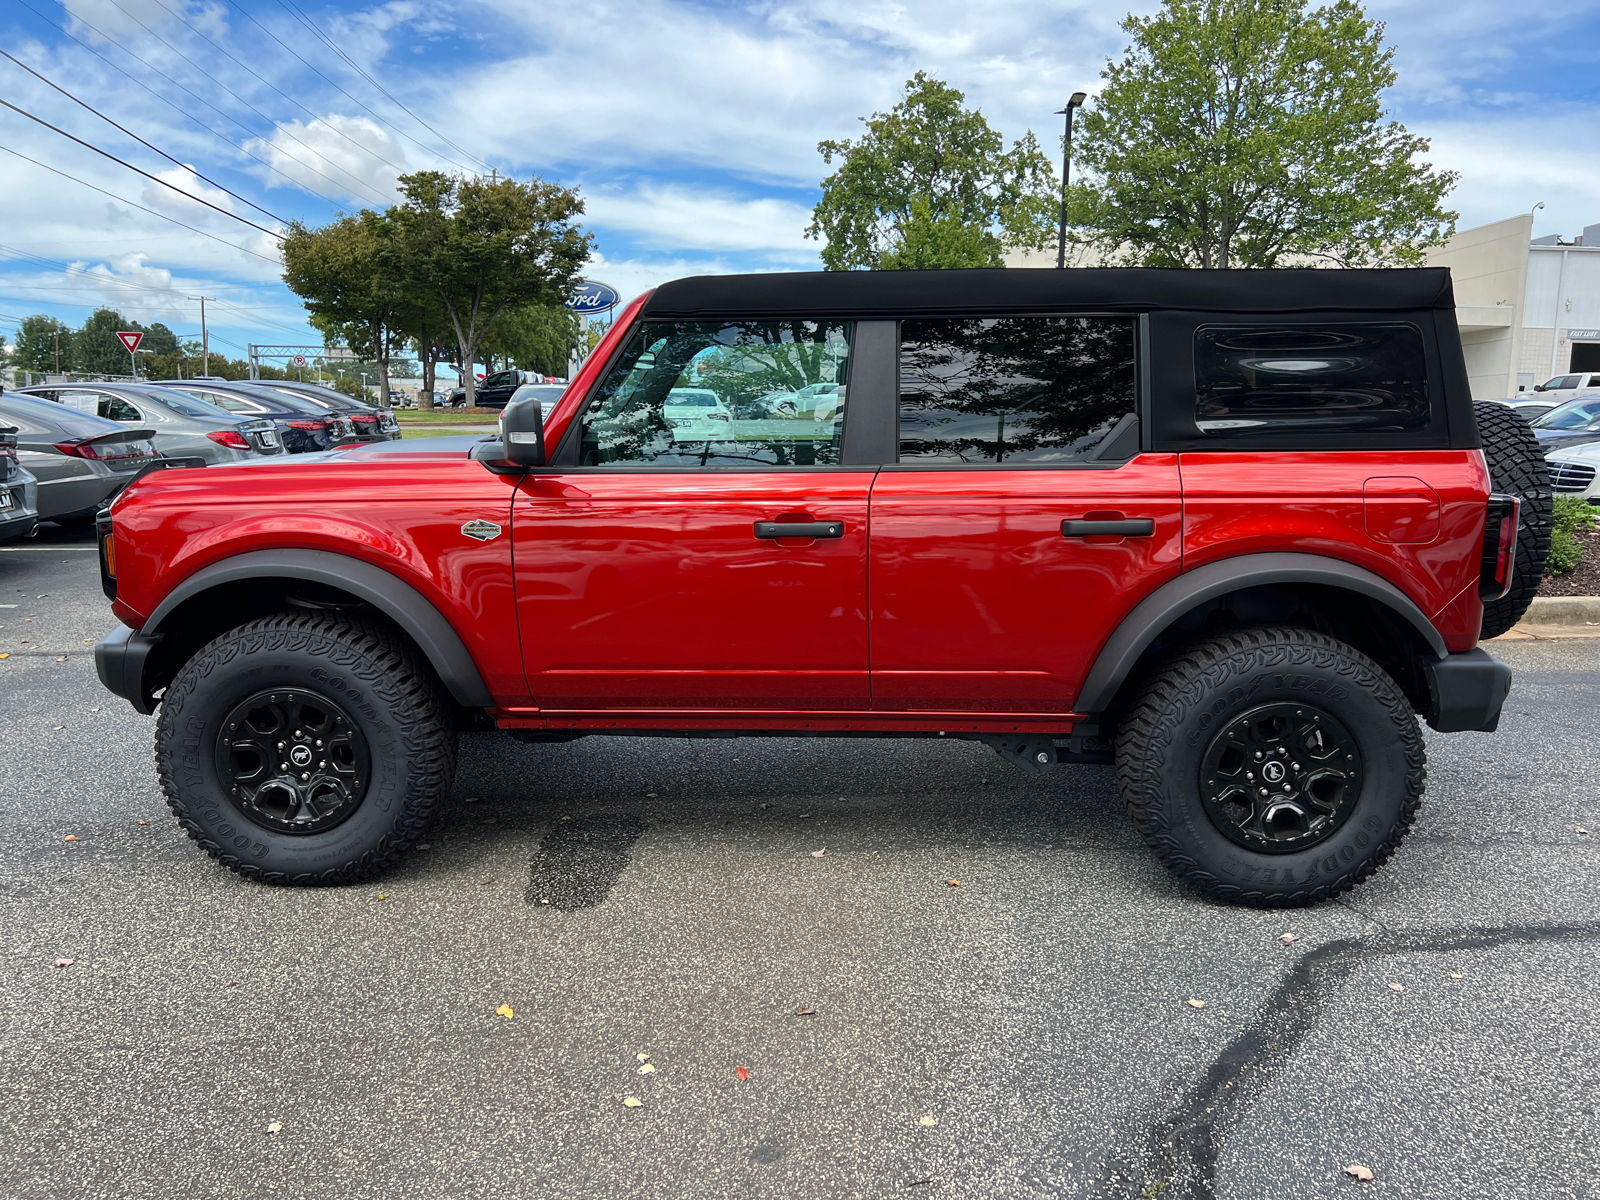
1184	1146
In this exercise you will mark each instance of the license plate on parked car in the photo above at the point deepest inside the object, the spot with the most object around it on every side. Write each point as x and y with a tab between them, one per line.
5	498
269	437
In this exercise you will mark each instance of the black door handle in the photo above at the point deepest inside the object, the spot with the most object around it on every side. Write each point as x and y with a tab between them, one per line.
800	529
1131	527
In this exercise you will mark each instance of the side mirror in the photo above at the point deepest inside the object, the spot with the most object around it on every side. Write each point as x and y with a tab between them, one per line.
522	432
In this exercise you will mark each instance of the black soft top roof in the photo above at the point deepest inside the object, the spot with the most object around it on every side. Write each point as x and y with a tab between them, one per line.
999	290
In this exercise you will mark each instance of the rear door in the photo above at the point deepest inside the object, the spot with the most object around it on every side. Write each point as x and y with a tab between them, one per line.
1021	522
686	564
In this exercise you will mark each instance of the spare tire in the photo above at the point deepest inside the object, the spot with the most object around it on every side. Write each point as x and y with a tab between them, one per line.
1517	468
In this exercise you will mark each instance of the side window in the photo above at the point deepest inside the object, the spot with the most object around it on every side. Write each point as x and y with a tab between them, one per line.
84	402
1022	391
723	394
1329	378
115	408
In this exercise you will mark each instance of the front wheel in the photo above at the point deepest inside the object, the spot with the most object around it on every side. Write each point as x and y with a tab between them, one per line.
299	749
1271	767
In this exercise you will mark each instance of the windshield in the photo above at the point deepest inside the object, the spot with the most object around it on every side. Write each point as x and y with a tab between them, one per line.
1574	414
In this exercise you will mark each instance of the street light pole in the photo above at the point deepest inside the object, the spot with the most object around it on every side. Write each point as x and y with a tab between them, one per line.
1066	172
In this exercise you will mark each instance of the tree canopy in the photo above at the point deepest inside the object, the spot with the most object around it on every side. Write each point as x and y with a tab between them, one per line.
931	184
1252	133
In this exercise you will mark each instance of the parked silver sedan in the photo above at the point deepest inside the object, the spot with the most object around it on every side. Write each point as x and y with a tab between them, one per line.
19	491
184	426
78	459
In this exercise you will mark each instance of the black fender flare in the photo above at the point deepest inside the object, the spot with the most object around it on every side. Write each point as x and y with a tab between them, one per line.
395	598
1188	591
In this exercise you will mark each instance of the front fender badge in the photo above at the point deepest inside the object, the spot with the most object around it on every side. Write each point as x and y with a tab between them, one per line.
483	531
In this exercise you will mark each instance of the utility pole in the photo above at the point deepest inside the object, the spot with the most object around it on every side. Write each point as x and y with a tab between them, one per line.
205	340
1066	173
58	351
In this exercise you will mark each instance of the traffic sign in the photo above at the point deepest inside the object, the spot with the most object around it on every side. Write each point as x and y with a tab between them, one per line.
130	340
592	296
299	360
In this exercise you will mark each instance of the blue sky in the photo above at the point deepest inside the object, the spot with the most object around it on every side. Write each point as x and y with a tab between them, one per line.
691	128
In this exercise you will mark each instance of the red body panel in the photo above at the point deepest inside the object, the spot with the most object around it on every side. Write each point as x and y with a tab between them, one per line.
1317	503
650	590
400	511
978	601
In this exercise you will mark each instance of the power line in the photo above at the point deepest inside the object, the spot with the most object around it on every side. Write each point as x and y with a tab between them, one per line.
146	174
224	87
140	207
331	83
142	142
71	269
312	25
181	112
281	92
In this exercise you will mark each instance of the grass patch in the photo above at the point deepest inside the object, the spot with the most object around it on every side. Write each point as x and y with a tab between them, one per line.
1573	516
448	416
422	433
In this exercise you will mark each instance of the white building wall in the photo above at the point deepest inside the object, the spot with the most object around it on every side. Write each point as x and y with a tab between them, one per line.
1488	272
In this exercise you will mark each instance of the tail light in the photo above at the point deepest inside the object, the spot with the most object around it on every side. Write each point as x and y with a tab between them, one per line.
1495	572
229	437
313	425
99	450
364	418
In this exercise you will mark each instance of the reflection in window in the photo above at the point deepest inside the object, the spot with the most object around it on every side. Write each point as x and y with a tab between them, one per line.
1265	379
723	394
1015	390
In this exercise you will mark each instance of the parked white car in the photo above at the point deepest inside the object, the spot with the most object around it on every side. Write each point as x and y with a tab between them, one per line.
1561	388
687	405
1575	471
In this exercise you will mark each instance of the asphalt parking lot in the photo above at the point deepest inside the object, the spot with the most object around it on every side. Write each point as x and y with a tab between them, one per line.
1026	1033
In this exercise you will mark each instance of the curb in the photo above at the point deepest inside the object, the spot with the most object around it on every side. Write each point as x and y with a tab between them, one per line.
1563	610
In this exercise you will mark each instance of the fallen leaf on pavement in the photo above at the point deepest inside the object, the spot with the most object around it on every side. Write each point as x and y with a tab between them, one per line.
144	822
806	1012
952	883
648	1069
651	796
383	895
1457	975
275	1127
1288	939
424	845
1193	1003
470	800
63	658
766	806
741	1073
818	853
94	710
506	1011
72	837
64	962
58	727
1359	1172
1581	829
643	1057
486	882
930	1120
633	1101
5	656
1397	987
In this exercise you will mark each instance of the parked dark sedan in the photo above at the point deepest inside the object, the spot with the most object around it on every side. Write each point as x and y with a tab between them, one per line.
185	427
1571	424
79	460
305	427
372	424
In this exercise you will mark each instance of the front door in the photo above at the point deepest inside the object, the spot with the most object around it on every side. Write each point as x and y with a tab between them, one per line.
1020	523
678	557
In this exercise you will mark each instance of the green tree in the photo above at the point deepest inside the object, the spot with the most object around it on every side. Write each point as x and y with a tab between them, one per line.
536	337
1249	133
352	276
476	247
931	184
38	338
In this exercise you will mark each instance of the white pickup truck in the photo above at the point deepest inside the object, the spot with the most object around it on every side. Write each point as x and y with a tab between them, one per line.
1562	388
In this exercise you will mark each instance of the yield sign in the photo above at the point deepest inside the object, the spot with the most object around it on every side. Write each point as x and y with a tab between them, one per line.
130	340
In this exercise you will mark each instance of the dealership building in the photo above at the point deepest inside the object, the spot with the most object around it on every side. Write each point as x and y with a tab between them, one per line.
1529	308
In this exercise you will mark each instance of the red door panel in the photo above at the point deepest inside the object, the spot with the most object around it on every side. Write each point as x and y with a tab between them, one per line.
1369	508
979	603
651	590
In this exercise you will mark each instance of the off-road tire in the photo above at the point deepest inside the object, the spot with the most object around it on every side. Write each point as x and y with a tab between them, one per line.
1196	693
393	698
1517	467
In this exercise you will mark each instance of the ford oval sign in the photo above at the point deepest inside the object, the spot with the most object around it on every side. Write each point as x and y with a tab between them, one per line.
593	297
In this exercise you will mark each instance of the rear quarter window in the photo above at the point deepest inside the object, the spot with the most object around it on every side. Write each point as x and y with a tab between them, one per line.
1310	379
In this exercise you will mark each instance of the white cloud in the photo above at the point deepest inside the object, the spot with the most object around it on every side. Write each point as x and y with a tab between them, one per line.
679	217
353	156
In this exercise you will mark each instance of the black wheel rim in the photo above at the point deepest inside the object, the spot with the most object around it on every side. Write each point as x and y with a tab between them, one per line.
1281	778
293	761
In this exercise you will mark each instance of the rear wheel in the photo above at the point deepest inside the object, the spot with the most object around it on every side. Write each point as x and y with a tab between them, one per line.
1517	467
305	750
1271	767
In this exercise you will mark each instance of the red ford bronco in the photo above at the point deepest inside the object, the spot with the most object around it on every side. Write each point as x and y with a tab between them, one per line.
1234	531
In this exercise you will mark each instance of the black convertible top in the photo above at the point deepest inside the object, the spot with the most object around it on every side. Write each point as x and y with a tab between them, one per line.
999	290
